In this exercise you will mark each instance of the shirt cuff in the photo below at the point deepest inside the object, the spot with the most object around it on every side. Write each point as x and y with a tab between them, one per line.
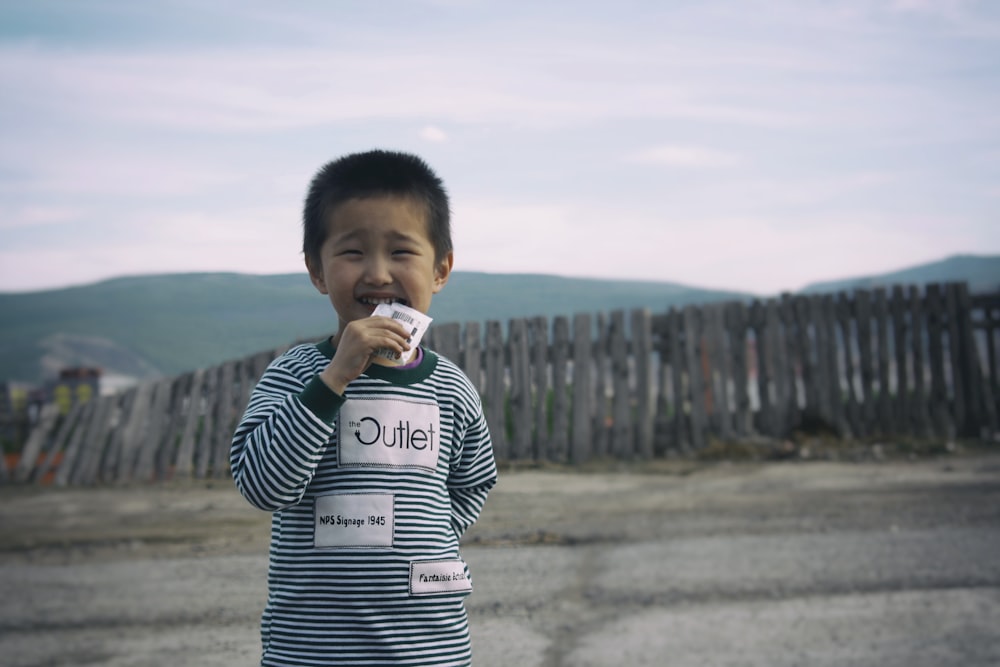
321	400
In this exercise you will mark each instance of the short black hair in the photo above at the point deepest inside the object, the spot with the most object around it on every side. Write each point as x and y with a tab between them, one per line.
375	173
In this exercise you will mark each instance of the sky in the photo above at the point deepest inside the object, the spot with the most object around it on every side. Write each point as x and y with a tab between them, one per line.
758	145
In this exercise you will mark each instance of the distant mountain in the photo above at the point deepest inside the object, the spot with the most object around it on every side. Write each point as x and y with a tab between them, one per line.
982	272
160	325
151	326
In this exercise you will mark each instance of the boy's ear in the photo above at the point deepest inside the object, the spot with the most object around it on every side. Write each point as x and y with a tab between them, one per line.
442	271
316	275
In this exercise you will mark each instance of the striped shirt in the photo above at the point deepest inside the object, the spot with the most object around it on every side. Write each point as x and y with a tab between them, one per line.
370	493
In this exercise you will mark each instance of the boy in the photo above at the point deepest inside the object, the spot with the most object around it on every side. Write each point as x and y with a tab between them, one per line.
372	467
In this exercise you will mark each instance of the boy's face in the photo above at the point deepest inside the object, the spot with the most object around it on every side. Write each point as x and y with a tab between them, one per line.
378	250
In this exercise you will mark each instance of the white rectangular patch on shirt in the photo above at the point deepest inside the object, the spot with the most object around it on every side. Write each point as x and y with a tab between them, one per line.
432	577
392	433
354	520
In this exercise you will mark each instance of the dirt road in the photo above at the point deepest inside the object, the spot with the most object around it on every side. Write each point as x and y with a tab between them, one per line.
878	563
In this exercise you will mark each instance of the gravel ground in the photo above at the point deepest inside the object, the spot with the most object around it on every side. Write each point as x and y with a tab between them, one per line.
677	563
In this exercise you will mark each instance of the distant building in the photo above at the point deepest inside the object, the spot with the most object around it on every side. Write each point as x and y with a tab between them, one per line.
20	404
75	385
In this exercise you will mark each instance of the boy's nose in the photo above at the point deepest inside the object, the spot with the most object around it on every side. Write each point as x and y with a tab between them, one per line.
377	271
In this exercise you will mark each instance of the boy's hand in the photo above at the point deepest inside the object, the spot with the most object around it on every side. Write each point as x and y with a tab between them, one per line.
356	347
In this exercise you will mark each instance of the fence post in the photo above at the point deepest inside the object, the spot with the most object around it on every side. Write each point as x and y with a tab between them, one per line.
939	390
559	448
718	370
472	356
675	355
95	439
886	427
581	445
538	340
520	390
134	417
834	386
36	440
495	394
901	334
736	323
642	352
692	358
150	447
918	407
852	408
622	444
184	462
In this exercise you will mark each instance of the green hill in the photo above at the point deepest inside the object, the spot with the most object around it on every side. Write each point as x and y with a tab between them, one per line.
150	326
982	272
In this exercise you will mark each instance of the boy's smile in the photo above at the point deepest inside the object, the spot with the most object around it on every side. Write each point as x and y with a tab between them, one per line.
378	250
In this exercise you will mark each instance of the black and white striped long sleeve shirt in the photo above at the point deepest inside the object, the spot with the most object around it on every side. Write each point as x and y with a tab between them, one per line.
370	493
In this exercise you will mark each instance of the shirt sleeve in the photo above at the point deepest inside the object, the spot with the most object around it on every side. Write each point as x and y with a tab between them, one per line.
473	473
282	436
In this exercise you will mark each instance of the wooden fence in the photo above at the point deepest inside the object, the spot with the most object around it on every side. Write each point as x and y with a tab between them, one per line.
881	363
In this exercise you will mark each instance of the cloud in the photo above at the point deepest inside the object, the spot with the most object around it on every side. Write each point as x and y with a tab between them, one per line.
684	156
433	134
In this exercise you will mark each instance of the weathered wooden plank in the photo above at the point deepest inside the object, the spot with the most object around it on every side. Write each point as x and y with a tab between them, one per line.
538	341
520	390
780	340
821	370
622	444
225	421
472	355
64	472
918	405
559	445
112	451
145	462
32	449
642	351
791	351
191	403
132	431
904	386
832	364
58	445
863	314
95	441
692	359
736	325
203	448
758	383
447	340
966	363
844	309
991	327
581	444
771	415
953	355
938	397
716	369
600	415
801	331
675	355
988	308
495	395
173	428
884	338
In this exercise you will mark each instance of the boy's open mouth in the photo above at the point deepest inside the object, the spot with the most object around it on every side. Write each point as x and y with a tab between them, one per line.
369	301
